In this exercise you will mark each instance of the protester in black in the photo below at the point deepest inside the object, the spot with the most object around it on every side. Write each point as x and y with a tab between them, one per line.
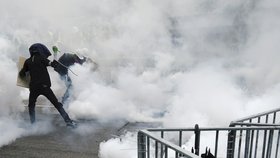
65	61
40	82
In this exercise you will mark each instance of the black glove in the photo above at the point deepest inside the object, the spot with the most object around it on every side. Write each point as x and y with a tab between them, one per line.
21	74
54	63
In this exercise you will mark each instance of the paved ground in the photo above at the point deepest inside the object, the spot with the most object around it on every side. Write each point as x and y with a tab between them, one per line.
63	142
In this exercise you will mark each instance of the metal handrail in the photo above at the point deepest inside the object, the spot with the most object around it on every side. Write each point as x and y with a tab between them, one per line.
256	135
239	132
211	129
253	124
274	111
142	134
258	121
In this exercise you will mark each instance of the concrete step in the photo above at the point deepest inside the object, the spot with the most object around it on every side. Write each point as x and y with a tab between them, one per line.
62	142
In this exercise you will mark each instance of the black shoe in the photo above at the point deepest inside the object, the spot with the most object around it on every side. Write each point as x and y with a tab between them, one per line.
71	124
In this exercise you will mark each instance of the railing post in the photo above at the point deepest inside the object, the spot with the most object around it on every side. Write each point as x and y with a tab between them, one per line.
197	139
247	143
161	145
141	145
269	145
231	142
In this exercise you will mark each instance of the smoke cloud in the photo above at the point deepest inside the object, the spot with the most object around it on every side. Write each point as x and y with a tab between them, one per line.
178	62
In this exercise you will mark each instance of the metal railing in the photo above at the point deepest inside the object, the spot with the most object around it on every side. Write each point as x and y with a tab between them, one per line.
268	117
254	136
160	148
248	144
255	139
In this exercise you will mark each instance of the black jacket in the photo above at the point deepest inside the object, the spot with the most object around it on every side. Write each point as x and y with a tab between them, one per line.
36	65
67	59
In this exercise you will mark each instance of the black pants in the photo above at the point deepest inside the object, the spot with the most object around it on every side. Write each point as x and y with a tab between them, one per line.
47	92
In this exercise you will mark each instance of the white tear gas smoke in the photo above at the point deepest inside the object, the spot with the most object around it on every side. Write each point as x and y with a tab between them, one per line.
124	146
179	62
12	128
